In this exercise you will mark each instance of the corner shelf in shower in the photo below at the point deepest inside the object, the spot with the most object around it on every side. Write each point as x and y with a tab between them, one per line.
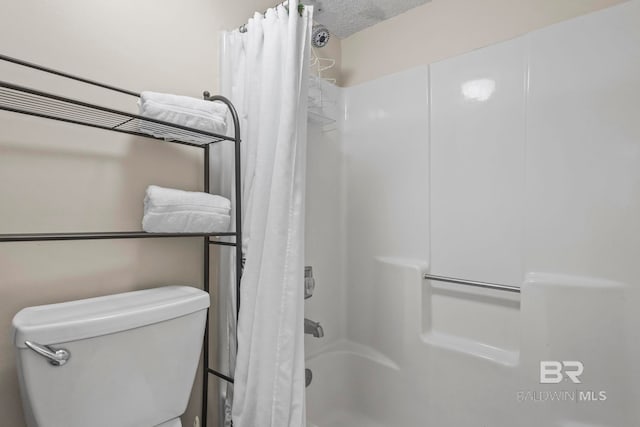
36	103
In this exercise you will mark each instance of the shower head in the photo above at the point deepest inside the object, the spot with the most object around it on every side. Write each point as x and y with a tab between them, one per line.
320	36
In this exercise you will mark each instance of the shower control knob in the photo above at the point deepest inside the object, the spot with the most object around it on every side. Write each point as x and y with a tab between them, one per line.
308	376
309	282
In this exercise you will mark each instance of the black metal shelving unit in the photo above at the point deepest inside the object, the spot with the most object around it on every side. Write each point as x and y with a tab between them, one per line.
23	100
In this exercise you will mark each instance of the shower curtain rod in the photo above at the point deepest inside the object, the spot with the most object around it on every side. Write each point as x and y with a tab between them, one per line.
243	28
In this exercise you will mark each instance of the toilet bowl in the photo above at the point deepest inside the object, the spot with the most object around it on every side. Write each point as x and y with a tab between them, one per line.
125	360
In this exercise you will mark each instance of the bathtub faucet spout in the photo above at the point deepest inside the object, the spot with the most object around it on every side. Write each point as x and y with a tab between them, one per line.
313	328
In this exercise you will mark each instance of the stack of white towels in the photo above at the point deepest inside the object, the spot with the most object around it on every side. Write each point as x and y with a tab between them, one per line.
181	110
167	210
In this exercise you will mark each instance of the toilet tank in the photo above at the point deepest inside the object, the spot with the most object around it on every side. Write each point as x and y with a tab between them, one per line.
133	358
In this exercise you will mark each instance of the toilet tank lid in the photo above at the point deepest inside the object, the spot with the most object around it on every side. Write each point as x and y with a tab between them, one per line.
93	317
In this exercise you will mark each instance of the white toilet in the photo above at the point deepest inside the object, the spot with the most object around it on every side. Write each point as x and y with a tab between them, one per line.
126	360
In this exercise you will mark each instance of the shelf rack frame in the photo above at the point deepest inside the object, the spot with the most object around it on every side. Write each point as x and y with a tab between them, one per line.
23	100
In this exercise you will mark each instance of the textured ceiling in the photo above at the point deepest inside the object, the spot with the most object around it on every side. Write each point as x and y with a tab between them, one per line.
345	17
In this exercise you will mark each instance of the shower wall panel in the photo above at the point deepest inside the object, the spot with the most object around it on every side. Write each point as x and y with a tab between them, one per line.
386	176
476	164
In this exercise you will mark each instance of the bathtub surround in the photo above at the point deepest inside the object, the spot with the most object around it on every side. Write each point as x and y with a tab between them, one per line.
513	164
264	72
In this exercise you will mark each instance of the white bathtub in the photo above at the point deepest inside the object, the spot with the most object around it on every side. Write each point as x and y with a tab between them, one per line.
348	385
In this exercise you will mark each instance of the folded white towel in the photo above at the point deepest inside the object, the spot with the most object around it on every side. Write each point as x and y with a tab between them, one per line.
181	110
157	197
185	222
167	210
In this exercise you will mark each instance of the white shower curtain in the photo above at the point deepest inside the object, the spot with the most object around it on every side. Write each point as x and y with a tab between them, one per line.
264	73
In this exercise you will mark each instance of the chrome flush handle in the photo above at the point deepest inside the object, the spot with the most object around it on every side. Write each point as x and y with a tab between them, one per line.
56	357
